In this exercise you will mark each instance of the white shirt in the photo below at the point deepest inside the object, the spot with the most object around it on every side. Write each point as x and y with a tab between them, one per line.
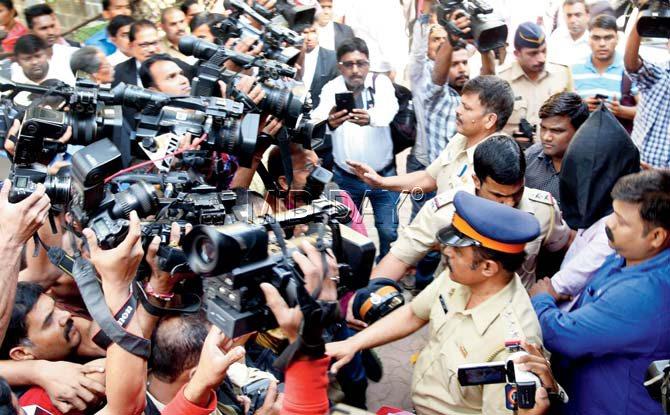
584	257
60	61
310	67
55	72
562	49
139	80
117	57
381	24
372	143
327	36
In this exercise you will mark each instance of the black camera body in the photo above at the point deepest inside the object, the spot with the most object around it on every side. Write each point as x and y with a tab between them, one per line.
224	121
520	384
94	205
488	30
279	41
200	207
237	258
25	180
8	113
656	382
655	19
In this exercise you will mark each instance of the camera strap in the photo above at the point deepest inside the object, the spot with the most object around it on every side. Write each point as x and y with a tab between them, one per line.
85	276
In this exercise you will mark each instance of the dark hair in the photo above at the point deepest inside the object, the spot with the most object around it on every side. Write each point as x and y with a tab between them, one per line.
6	404
176	345
354	44
500	158
9	5
85	60
27	294
495	94
117	23
205	18
510	262
603	21
275	166
651	190
573	2
139	25
186	4
29	44
35	11
145	69
566	104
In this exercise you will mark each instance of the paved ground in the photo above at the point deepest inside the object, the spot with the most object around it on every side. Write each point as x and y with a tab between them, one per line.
393	389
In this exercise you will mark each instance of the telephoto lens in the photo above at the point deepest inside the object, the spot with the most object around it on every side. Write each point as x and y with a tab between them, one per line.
139	197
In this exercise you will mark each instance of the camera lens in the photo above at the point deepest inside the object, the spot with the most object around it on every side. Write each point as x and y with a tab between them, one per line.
206	250
139	197
214	250
282	103
58	189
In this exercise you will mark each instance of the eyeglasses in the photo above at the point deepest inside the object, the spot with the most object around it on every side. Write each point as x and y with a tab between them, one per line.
147	45
350	64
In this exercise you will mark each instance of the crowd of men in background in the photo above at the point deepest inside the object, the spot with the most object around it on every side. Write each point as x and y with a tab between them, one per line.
540	191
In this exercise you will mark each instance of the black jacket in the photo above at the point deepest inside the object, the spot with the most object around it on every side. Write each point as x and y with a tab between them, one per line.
342	33
326	70
600	152
128	73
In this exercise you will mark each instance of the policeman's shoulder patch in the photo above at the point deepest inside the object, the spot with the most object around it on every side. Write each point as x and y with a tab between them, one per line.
441	200
540	196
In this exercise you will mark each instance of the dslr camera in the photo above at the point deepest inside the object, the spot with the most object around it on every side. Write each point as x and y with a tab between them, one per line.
520	385
93	204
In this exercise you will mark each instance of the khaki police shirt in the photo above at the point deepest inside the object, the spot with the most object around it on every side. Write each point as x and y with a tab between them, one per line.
458	336
530	95
419	237
453	167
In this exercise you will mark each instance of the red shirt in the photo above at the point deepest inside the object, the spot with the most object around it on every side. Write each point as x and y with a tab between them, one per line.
17	31
38	396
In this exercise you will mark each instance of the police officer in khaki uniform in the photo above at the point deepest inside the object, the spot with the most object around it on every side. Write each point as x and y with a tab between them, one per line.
486	105
532	78
472	309
499	170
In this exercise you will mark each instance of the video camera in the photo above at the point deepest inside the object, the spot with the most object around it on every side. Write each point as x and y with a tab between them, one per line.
229	129
280	102
488	30
654	18
94	113
520	384
235	259
657	383
205	51
279	41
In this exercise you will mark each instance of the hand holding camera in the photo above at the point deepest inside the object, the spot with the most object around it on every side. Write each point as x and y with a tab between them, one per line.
27	215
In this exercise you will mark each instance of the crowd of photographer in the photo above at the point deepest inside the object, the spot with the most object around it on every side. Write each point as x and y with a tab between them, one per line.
182	226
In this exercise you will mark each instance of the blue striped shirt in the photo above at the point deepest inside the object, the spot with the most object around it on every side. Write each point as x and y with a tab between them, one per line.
589	82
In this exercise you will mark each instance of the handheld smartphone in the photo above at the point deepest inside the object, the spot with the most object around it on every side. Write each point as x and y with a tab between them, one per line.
603	97
345	101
